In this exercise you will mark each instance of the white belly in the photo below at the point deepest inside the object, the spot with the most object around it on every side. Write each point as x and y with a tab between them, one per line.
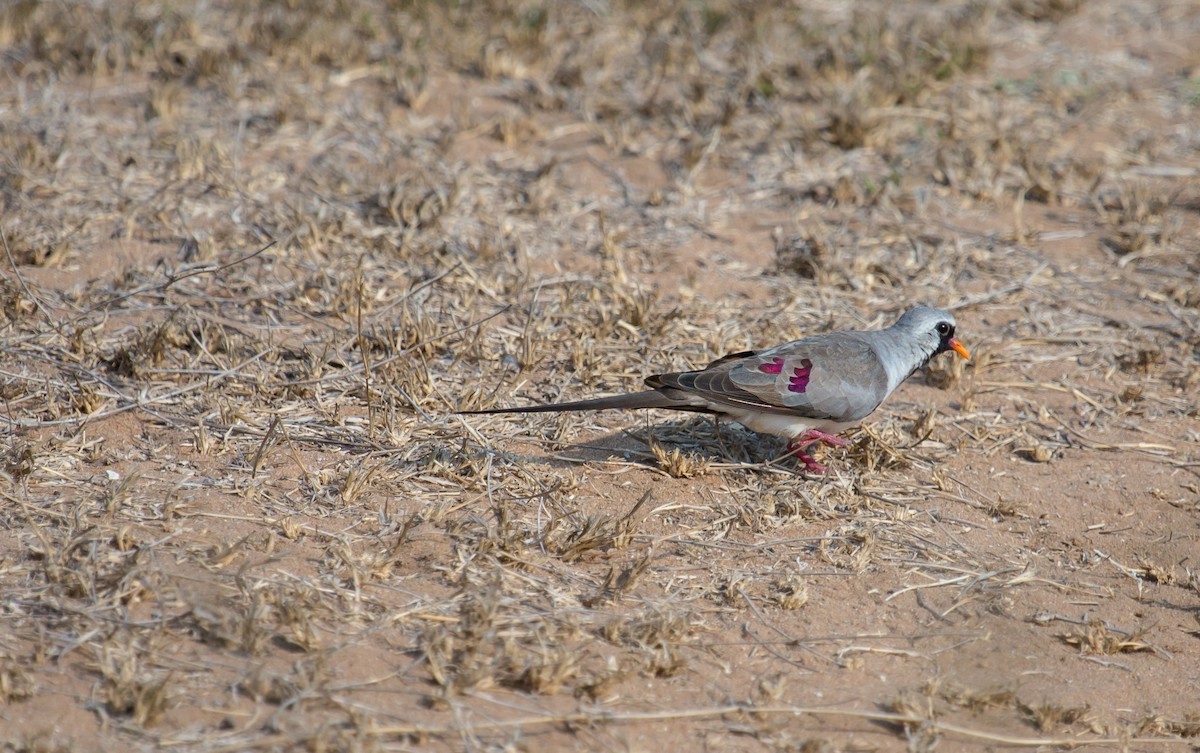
783	425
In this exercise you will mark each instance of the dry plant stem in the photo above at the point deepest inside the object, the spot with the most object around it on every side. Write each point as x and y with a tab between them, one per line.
365	350
171	280
933	726
25	287
164	399
264	446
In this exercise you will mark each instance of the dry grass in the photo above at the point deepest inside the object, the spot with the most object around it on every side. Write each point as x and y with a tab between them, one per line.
257	254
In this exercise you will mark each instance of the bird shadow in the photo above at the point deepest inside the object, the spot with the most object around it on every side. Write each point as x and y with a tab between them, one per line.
701	439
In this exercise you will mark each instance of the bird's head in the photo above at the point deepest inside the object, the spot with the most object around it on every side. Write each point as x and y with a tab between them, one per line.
933	329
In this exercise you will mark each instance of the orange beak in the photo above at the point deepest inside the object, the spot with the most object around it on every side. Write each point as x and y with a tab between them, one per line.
960	349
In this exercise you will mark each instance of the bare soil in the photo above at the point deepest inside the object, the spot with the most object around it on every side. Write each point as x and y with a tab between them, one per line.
256	255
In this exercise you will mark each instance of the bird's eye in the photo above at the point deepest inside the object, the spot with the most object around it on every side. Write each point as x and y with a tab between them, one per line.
943	328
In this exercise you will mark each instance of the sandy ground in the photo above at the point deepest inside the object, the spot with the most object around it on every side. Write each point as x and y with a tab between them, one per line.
255	259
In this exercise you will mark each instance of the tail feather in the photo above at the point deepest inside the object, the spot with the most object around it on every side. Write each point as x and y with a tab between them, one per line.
647	399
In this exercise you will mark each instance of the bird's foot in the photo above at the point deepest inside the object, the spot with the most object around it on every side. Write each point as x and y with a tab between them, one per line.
813	435
811	465
801	443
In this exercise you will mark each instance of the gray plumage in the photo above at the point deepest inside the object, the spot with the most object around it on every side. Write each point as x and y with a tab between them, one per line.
824	383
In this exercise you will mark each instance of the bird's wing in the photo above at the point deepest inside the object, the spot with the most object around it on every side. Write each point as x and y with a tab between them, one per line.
837	377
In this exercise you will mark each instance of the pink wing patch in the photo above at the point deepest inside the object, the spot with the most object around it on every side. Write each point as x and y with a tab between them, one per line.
774	367
799	381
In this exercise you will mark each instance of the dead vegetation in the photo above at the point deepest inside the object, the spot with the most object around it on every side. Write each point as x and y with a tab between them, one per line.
257	254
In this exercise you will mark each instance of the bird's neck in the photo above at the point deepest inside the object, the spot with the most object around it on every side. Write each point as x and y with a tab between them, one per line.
901	356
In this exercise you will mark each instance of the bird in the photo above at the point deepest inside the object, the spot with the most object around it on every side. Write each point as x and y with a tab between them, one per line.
806	390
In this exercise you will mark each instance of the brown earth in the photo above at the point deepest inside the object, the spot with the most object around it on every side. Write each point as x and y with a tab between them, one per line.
257	255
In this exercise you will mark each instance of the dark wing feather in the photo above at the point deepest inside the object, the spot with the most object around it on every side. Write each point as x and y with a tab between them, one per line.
712	385
730	357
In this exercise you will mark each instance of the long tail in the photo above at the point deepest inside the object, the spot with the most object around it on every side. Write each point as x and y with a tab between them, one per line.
647	399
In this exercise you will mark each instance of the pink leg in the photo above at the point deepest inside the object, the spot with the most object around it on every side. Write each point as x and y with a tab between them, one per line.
800	443
810	465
